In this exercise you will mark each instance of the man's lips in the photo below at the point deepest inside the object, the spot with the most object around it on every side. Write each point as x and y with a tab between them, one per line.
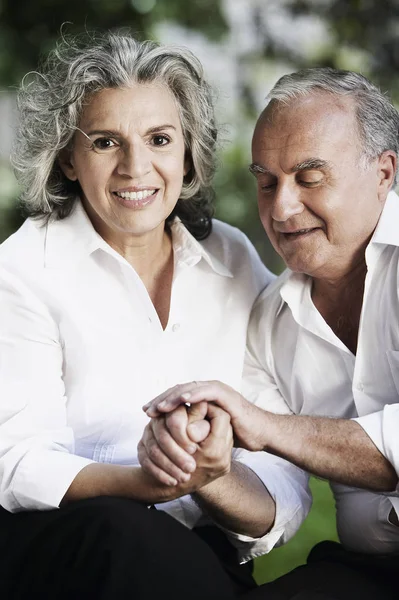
298	232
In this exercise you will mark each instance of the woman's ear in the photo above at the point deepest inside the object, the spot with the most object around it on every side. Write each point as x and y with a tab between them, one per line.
65	161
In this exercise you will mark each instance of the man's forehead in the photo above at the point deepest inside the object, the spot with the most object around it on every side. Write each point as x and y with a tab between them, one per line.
314	127
318	103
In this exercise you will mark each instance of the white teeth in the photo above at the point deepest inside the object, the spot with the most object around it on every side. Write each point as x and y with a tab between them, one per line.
141	195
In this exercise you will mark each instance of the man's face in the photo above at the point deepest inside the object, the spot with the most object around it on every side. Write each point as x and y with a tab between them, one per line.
318	203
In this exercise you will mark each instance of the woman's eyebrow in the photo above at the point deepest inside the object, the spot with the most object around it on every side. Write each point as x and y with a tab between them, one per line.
106	132
160	127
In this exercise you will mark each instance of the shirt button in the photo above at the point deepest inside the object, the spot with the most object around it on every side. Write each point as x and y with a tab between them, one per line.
360	387
176	327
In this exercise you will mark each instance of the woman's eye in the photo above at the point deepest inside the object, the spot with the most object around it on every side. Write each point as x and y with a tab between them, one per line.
160	140
103	144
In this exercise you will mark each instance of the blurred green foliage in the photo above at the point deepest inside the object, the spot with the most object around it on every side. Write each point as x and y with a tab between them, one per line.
319	526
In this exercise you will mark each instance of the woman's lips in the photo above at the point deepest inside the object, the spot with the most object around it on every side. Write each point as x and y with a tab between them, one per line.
136	199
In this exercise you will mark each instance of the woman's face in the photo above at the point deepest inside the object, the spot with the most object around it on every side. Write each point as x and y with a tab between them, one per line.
129	159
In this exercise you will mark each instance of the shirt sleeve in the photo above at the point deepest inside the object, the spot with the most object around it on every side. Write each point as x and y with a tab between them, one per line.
382	427
287	484
37	464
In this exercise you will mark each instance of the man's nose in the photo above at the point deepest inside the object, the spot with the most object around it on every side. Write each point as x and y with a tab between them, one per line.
134	161
286	203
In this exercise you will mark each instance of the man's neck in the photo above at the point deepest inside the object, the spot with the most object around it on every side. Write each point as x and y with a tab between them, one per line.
340	303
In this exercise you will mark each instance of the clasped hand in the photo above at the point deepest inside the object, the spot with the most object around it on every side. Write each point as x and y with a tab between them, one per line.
188	447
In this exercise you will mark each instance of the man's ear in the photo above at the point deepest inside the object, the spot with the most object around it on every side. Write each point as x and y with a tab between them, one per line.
386	171
66	163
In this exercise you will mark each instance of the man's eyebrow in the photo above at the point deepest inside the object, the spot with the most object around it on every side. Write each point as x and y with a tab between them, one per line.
311	163
255	169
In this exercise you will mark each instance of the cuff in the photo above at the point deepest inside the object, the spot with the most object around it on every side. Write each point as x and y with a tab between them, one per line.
382	429
42	479
288	486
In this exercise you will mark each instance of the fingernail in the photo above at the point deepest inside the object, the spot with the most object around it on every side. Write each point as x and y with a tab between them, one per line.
162	404
192	449
185	477
189	466
186	396
172	482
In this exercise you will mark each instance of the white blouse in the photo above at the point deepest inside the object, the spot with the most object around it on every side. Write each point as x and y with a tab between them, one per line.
82	349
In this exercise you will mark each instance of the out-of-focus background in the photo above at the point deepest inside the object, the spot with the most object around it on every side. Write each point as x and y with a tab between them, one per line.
245	46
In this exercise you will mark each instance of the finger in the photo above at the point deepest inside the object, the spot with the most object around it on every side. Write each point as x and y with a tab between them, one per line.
196	415
150	467
173	396
220	421
220	438
211	391
158	398
177	455
152	456
176	423
153	404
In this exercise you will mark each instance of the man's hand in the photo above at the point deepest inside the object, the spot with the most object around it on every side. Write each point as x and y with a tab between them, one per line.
249	422
161	453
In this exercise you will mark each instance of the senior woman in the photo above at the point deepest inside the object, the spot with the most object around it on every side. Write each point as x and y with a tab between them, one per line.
118	285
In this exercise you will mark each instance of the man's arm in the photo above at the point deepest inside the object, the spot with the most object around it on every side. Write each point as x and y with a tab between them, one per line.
335	449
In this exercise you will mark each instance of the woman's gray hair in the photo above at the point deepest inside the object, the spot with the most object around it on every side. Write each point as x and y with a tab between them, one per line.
50	104
377	119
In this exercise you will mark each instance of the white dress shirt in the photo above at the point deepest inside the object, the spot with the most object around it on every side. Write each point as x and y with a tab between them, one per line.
82	349
297	364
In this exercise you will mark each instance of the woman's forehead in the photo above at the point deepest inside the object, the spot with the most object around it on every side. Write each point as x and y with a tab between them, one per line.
138	102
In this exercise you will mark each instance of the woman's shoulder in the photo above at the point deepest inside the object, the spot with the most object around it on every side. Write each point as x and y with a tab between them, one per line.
236	252
228	242
24	249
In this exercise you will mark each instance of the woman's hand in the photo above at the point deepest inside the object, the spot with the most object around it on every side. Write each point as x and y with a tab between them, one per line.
208	446
169	441
249	422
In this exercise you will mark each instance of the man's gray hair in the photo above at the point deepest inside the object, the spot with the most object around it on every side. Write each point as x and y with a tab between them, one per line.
51	101
377	118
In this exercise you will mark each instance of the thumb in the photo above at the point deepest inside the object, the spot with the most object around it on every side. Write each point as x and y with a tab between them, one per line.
198	431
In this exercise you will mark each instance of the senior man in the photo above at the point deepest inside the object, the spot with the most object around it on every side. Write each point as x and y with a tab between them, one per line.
323	342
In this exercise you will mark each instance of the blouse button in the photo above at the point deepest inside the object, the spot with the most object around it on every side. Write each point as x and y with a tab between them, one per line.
176	327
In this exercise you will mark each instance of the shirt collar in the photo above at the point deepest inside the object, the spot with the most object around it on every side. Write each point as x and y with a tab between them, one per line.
387	230
188	251
69	240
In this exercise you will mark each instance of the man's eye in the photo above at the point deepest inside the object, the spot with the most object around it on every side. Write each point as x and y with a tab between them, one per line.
310	184
268	188
103	144
160	140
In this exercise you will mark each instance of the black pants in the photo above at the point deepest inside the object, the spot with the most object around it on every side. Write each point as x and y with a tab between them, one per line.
106	548
333	573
